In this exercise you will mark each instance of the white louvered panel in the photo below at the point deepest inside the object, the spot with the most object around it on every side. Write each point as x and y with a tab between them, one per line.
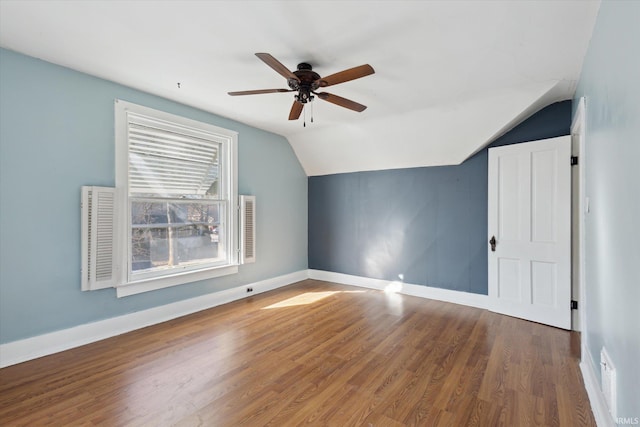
104	236
87	236
98	238
247	229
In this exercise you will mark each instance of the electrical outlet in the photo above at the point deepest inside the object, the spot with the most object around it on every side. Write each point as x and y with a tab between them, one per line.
249	290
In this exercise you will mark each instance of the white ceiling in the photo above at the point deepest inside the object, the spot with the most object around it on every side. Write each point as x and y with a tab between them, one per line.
450	75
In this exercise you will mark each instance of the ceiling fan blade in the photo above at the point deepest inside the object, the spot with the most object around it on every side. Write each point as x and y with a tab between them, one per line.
346	75
296	109
259	91
343	102
277	65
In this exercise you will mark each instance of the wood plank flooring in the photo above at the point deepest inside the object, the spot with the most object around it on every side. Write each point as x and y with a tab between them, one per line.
313	353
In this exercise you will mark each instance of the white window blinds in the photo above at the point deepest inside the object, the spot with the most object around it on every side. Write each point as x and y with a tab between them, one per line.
172	161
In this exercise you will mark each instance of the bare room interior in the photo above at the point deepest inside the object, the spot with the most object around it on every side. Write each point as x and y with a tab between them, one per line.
345	213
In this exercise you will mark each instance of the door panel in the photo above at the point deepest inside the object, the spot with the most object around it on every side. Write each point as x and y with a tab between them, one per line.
544	281
543	197
529	215
509	272
509	188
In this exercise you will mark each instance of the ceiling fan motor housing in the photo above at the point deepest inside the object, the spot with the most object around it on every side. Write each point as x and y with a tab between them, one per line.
308	81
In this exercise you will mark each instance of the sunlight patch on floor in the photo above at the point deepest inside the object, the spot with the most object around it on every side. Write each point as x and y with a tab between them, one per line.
307	298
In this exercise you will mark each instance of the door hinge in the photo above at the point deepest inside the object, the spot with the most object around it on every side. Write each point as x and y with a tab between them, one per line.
574	305
574	160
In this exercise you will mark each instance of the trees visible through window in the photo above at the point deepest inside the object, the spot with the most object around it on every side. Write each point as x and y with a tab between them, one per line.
166	234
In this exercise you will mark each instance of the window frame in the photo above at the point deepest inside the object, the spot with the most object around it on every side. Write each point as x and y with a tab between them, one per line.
130	284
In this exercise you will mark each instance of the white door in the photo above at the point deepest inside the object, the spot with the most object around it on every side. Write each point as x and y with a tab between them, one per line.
530	225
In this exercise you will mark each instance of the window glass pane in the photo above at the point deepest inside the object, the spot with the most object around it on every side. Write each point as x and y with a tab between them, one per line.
175	234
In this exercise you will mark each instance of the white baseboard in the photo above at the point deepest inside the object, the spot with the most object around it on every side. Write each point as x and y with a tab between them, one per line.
592	385
447	295
54	342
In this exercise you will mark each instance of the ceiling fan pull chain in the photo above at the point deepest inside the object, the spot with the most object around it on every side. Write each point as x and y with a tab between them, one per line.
311	111
304	118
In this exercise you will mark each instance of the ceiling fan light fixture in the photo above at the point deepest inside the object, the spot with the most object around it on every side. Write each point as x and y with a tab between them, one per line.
304	95
294	84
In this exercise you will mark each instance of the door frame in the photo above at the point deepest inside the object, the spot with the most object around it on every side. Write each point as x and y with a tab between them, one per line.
578	131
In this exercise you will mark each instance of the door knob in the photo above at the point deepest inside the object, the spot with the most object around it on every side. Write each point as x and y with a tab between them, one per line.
492	242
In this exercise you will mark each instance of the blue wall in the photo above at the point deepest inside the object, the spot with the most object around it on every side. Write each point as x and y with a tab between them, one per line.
610	81
427	224
57	134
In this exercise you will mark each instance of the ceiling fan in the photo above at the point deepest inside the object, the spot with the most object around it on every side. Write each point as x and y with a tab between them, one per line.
306	82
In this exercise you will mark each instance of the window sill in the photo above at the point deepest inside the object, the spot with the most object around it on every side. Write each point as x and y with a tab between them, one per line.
152	284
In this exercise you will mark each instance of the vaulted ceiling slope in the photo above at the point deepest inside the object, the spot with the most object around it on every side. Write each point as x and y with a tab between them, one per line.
450	75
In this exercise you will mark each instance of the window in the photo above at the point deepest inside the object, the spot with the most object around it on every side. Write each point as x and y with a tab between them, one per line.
176	181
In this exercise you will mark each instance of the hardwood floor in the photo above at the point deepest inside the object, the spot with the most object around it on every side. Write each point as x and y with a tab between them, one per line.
313	353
